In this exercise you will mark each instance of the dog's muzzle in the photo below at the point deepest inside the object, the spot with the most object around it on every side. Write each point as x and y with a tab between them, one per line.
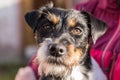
57	50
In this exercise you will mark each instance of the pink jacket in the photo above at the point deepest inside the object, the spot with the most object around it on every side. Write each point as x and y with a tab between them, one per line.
106	51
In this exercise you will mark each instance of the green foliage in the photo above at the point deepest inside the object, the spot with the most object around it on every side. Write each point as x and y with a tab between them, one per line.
8	71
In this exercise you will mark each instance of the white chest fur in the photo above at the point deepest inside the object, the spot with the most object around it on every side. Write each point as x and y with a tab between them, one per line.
94	74
78	72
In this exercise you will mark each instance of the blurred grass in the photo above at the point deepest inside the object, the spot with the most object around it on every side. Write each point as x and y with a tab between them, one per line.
8	71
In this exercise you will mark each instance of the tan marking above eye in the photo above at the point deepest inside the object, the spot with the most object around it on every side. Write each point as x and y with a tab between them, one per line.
53	18
71	22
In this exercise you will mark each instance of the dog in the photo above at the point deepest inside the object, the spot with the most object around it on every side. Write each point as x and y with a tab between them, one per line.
64	38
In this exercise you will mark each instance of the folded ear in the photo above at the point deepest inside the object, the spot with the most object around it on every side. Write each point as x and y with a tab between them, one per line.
31	18
97	27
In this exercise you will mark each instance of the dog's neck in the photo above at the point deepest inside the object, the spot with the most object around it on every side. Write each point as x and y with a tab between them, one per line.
86	59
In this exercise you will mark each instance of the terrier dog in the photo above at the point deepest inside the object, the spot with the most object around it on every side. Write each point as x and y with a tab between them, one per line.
64	38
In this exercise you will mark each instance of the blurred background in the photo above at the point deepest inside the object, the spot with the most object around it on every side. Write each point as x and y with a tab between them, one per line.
17	44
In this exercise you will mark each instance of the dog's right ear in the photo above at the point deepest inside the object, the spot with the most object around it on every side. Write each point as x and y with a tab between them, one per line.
97	27
31	18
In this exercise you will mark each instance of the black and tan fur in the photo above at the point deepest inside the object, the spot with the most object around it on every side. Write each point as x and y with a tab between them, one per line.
64	39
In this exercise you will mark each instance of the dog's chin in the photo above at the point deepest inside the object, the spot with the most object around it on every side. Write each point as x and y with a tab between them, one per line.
53	66
54	60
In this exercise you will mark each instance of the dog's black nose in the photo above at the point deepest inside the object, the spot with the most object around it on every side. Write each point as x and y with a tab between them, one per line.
56	50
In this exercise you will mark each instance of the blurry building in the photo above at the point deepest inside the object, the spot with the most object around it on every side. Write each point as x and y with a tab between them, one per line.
10	31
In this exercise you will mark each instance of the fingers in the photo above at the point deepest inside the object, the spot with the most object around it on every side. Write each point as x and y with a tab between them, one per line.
25	73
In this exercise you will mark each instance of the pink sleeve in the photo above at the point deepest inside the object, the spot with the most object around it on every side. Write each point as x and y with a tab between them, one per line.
87	6
34	66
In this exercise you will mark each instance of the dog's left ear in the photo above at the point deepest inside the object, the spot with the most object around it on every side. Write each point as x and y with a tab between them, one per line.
97	27
32	17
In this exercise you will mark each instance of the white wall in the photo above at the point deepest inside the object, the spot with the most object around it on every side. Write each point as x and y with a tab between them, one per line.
10	30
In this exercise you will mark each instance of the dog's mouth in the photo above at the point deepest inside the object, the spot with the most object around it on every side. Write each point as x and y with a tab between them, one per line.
54	60
67	56
57	58
59	54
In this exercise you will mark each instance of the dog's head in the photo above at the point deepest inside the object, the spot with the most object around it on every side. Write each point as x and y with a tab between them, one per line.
64	34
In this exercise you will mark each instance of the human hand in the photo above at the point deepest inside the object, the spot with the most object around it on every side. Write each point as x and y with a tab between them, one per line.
25	73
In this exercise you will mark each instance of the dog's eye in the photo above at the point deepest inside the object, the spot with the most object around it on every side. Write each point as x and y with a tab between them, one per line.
76	31
47	27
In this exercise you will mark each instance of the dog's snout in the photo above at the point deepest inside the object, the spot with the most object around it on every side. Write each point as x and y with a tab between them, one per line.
56	50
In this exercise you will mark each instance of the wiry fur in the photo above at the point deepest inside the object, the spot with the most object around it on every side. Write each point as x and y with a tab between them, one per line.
61	72
64	39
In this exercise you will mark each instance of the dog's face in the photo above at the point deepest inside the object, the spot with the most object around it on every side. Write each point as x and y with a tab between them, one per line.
64	34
